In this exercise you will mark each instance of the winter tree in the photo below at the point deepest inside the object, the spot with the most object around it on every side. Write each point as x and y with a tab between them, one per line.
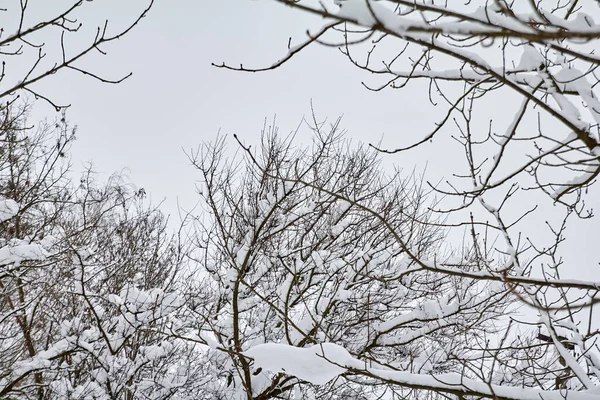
90	279
303	254
513	84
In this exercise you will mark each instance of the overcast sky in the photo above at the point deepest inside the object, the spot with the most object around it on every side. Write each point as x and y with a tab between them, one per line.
176	100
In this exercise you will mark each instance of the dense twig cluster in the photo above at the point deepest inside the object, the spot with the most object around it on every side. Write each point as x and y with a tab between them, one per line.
89	279
539	149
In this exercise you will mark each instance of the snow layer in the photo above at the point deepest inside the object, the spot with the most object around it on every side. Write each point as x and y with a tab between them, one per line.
321	363
316	364
8	209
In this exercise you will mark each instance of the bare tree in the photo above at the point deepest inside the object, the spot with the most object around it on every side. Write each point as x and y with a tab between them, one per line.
34	46
301	248
89	280
533	159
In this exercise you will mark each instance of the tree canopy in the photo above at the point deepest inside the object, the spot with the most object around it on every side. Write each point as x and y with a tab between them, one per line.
313	270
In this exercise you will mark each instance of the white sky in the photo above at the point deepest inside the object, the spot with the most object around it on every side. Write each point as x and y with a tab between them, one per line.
176	100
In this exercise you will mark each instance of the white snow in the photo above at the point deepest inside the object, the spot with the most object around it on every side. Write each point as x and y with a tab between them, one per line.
8	209
365	12
22	252
531	59
316	364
